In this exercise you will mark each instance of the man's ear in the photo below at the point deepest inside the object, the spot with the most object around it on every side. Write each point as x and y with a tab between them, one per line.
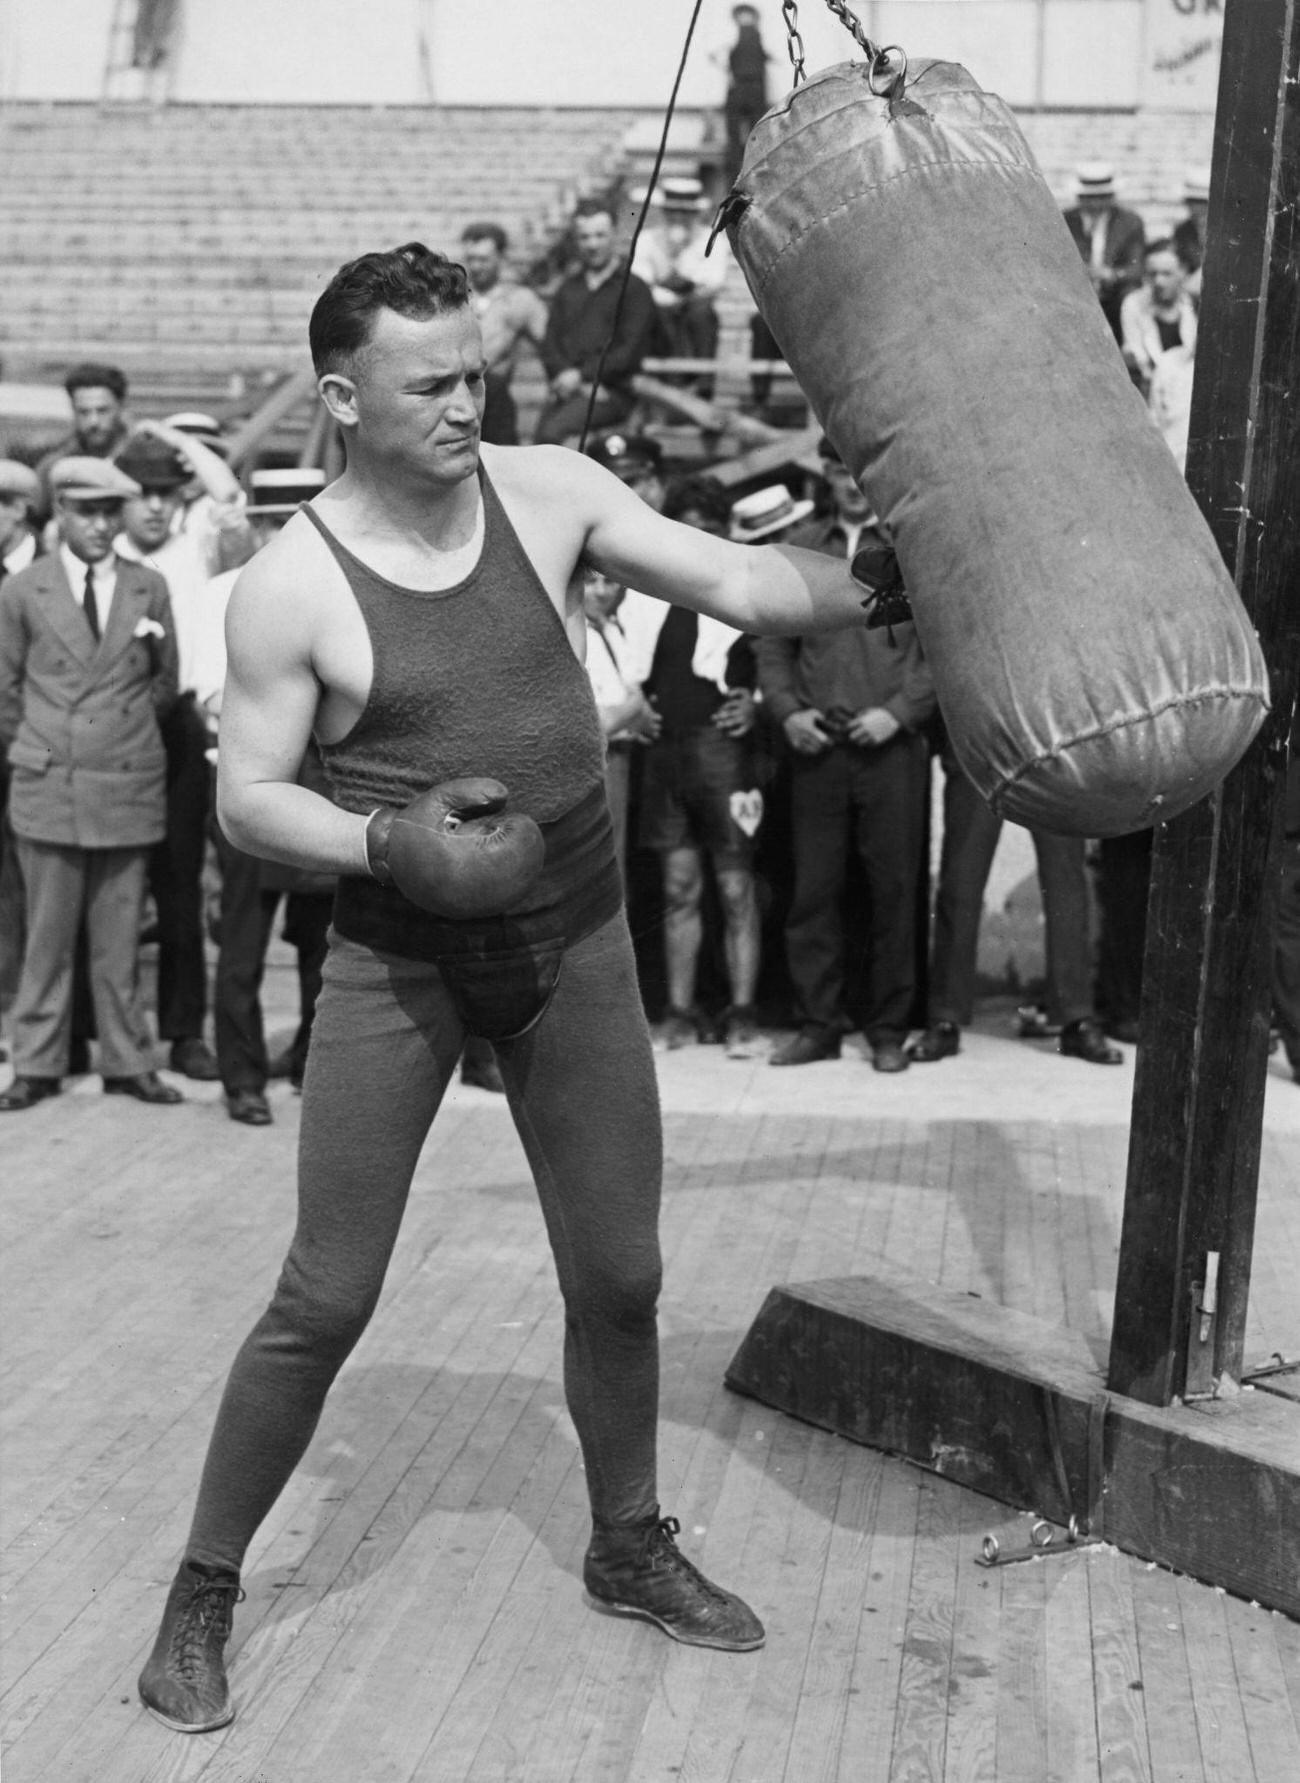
339	394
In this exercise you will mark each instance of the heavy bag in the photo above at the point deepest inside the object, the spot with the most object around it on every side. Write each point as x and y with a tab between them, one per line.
1095	667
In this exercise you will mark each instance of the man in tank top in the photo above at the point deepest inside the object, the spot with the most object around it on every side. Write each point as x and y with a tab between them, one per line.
423	620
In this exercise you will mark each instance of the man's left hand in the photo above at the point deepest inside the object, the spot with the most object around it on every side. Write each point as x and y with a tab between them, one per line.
872	727
735	716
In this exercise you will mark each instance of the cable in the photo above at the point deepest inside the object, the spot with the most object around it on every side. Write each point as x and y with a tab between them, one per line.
640	223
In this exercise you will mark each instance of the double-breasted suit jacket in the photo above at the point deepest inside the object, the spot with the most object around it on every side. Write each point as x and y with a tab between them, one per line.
80	715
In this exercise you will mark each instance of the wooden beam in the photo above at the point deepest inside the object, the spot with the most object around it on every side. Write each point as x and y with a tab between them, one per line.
1017	1408
1189	1211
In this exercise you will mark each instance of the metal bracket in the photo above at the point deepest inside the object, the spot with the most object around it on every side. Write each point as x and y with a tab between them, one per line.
1042	1543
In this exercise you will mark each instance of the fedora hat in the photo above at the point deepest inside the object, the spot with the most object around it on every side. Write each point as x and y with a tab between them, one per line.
766	511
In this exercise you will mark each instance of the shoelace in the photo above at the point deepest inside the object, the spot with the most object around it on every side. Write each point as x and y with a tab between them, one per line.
661	1550
208	1613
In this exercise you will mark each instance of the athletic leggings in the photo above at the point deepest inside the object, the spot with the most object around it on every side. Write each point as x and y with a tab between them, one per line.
582	1091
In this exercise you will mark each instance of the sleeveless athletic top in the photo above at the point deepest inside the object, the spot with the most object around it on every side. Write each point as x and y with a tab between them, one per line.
476	679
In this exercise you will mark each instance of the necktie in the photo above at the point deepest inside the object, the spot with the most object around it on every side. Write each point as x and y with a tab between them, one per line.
92	610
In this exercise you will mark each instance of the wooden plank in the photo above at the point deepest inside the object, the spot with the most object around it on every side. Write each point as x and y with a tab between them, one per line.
1117	1688
1199	1080
1166	1681
1008	1404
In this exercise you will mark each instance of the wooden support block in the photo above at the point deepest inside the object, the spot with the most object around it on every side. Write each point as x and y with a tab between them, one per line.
1018	1409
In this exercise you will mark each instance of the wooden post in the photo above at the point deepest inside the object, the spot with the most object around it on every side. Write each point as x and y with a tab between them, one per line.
1193	1172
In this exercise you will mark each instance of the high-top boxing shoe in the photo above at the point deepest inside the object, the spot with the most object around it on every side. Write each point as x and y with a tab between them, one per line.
184	1682
637	1569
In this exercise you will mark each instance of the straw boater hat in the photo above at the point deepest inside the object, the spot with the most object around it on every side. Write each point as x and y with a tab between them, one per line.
283	491
683	194
1095	179
203	427
766	511
91	479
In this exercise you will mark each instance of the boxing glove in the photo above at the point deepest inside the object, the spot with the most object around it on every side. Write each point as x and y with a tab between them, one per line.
455	850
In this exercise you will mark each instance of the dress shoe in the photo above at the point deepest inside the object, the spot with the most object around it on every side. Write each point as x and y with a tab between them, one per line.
147	1087
249	1107
1084	1039
26	1092
740	1034
681	1027
889	1056
941	1041
637	1569
808	1046
194	1058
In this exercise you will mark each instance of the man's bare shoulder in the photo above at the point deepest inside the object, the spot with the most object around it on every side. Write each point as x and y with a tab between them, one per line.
550	475
277	594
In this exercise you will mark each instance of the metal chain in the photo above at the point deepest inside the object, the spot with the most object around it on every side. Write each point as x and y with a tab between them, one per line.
794	42
853	26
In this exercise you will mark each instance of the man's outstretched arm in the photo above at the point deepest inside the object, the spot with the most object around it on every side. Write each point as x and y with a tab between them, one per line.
771	590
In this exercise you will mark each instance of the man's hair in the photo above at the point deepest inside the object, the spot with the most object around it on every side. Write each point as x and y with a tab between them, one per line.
594	207
90	376
412	280
698	494
492	232
1163	245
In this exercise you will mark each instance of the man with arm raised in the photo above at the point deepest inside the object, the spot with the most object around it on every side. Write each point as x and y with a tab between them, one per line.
423	619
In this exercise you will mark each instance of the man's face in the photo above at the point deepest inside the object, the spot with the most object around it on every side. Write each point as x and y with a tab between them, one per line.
96	419
147	517
600	596
595	241
1092	205
415	394
13	518
851	505
482	261
1164	275
89	525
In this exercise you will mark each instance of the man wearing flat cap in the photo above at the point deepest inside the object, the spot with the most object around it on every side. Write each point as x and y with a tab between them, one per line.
1110	239
87	664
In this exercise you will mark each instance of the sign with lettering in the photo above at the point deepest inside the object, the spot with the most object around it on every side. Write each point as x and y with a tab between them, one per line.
1183	40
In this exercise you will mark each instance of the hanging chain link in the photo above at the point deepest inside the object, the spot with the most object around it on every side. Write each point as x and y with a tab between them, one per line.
888	66
794	42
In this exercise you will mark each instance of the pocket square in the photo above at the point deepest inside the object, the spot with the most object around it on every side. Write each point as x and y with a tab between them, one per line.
148	628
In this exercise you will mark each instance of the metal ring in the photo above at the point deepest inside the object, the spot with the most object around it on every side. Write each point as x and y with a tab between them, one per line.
1041	1533
882	66
989	1549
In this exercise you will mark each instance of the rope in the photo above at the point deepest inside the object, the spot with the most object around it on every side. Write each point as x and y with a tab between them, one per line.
640	224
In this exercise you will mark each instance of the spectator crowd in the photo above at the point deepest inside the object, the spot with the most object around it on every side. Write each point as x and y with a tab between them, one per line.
771	797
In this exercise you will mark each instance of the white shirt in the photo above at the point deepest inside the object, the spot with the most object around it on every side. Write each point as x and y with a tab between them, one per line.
23	553
182	563
103	581
209	661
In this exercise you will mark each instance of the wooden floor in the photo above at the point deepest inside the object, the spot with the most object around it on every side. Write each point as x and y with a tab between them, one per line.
413	1607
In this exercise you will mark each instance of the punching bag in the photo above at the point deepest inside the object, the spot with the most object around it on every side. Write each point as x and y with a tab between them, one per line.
1095	667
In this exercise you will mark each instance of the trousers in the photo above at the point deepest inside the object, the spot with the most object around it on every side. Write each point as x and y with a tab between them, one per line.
582	1091
873	800
970	839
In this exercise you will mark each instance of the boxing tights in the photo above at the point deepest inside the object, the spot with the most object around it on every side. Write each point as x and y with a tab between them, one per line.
455	850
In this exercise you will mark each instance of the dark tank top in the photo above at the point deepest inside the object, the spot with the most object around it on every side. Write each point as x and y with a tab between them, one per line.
476	679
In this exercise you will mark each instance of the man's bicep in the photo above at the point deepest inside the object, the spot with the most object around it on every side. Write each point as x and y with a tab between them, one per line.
270	700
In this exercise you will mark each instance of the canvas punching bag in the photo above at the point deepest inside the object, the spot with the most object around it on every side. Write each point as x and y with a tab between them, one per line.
1094	664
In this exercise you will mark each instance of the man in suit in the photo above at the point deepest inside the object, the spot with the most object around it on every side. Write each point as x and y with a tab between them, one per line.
1110	238
19	546
853	705
87	665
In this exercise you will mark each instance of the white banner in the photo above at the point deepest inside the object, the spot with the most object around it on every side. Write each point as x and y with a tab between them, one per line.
1181	64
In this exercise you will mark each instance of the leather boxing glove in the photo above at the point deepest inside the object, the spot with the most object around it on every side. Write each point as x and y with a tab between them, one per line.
455	850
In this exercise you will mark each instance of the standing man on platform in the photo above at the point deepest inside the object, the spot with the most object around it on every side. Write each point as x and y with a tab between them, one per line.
746	99
509	314
853	705
1110	239
423	618
581	328
87	665
163	461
